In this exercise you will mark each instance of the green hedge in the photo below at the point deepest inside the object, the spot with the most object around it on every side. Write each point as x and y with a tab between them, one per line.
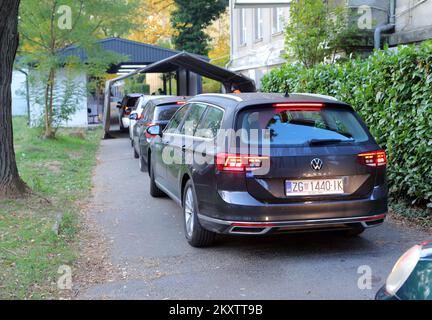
392	92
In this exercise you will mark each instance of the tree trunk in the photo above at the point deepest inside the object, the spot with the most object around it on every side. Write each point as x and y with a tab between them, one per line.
11	185
49	132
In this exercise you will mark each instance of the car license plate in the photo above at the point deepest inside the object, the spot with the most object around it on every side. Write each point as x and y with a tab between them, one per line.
313	187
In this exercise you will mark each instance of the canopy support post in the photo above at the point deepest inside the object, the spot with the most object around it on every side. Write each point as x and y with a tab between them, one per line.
107	111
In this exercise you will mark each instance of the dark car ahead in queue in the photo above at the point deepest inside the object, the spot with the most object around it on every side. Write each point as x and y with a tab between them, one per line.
157	112
411	277
309	164
126	106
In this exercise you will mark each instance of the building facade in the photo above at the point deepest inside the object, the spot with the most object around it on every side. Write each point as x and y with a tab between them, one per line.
257	29
65	79
89	105
257	38
413	22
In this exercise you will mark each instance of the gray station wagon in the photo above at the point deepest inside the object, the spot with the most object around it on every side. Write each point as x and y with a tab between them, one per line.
255	164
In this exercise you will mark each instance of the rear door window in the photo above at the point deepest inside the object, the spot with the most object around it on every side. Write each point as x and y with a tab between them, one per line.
210	123
300	127
164	113
140	106
124	101
131	102
192	119
146	110
176	120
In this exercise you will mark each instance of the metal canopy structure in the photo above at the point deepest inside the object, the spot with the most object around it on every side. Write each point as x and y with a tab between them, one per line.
230	80
184	64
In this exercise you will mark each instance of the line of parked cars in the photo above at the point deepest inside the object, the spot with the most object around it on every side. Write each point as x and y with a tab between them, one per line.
258	163
322	169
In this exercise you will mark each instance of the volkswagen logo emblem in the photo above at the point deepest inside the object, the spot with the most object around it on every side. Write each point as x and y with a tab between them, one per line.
316	164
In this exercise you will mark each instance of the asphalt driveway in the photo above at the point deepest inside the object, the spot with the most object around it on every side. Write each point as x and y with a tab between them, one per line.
148	244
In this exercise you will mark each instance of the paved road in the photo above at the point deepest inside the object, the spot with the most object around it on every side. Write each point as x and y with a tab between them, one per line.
148	243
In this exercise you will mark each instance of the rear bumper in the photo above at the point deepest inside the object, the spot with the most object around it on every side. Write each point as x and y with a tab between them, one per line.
241	206
233	209
260	228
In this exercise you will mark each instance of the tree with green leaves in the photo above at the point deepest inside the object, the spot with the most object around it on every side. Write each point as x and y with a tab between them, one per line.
316	30
189	21
48	26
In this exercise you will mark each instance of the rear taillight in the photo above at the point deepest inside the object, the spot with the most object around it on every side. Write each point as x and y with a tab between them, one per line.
239	163
373	158
180	103
127	111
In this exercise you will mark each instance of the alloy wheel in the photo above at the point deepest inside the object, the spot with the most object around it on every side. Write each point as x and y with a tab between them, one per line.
189	212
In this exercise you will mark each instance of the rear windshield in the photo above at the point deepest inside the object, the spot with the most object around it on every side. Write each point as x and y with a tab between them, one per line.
300	127
131	102
165	113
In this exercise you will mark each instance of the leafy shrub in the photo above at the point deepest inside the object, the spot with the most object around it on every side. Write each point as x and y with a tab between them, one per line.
392	92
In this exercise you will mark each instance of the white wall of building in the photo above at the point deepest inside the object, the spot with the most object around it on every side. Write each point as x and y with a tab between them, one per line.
80	117
413	14
413	22
257	39
255	55
19	103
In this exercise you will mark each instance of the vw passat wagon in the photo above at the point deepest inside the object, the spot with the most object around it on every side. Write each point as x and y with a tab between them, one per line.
255	164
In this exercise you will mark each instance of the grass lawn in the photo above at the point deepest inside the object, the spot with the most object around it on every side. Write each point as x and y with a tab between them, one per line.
59	170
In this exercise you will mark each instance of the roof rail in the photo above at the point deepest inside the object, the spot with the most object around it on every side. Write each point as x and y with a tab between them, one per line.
222	95
317	95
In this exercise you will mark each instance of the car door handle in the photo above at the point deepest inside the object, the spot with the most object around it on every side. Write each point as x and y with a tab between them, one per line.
183	148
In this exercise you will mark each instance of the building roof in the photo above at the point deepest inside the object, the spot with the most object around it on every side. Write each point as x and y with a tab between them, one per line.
137	52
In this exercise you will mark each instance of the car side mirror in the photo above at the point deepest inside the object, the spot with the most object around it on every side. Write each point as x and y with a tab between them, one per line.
119	105
133	116
154	131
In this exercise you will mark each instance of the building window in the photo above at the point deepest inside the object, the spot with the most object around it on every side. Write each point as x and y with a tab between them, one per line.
278	20
242	26
258	23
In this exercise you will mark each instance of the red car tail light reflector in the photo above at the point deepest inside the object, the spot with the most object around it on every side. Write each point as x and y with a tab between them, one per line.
239	163
376	158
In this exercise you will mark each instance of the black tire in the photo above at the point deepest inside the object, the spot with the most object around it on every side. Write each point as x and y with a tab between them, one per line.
142	164
135	153
154	189
197	236
353	232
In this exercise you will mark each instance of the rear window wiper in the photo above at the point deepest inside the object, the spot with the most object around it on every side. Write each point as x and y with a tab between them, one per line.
328	141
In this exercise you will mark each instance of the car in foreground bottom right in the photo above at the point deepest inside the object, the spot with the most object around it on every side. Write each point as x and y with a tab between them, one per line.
411	277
